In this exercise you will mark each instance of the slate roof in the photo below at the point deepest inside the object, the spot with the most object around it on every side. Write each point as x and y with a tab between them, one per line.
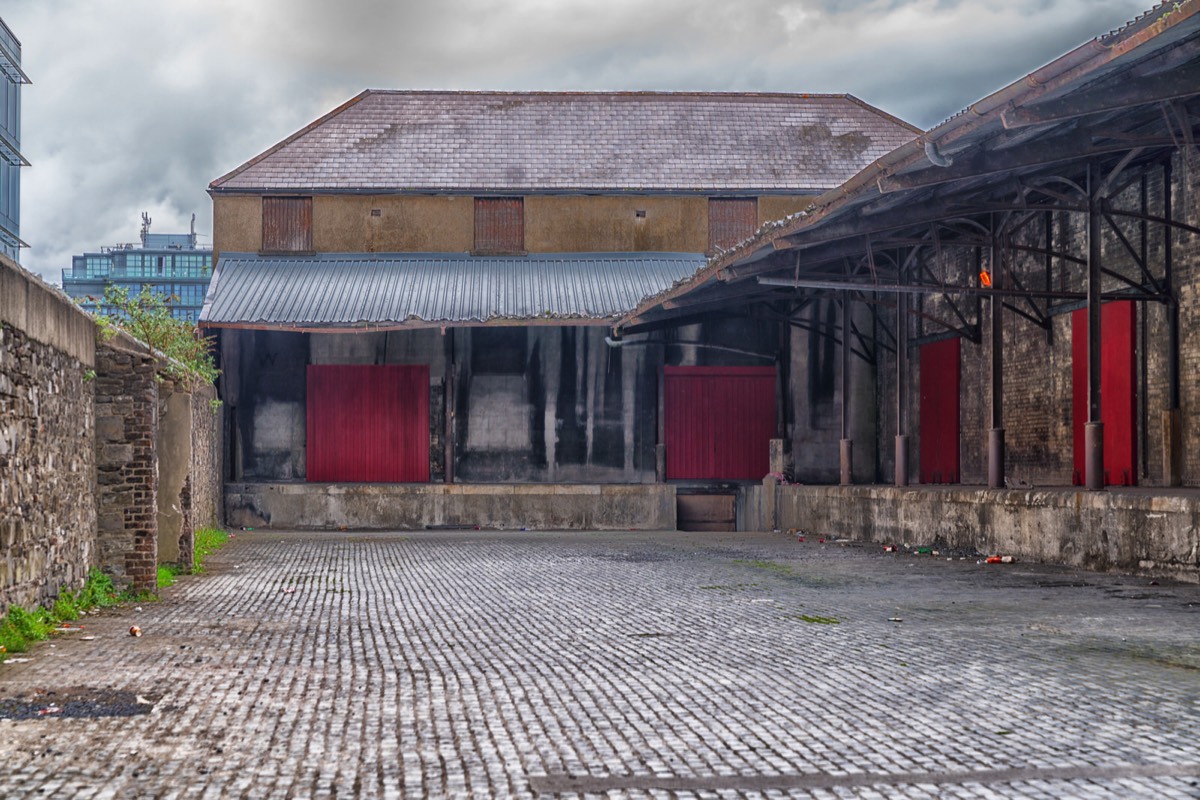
371	290
523	142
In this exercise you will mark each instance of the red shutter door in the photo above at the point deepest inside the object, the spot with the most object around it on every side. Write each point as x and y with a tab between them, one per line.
718	422
940	380
1118	406
368	423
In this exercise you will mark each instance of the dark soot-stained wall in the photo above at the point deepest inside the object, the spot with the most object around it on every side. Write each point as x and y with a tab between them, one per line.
531	403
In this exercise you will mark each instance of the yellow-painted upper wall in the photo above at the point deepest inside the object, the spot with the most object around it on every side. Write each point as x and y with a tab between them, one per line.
404	224
446	223
574	224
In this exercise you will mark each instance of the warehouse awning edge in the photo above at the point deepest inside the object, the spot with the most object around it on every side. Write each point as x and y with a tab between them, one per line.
336	292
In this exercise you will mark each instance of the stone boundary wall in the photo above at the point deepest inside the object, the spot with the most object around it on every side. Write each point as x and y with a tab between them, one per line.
79	433
329	506
47	457
189	452
1134	531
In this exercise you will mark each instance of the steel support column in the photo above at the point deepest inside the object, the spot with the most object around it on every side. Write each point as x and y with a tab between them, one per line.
996	434
1172	417
846	450
1094	429
449	403
901	392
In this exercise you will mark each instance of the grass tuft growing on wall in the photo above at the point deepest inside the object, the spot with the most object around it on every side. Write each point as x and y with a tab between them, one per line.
207	542
166	575
21	628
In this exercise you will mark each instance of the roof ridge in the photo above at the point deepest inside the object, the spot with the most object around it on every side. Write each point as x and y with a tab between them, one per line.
884	114
610	93
318	122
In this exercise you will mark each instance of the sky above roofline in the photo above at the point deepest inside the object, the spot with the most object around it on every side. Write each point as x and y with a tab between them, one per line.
137	105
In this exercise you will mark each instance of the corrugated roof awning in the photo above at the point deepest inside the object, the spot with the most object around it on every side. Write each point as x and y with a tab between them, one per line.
357	291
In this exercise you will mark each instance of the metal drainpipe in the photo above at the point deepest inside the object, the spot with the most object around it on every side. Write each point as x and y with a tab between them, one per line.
996	434
846	448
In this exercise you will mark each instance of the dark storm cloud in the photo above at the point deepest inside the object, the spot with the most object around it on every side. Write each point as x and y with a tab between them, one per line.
137	105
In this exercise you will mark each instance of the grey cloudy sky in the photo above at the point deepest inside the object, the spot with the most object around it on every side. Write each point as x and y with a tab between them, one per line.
136	105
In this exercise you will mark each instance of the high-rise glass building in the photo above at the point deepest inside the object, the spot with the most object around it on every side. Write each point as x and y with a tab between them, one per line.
11	159
170	264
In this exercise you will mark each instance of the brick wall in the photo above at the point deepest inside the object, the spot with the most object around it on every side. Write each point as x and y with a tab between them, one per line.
126	463
1037	359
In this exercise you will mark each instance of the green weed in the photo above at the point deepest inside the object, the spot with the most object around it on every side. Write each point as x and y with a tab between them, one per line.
207	542
769	566
166	575
21	628
815	620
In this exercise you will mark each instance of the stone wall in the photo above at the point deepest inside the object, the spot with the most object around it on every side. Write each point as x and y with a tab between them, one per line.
79	461
47	466
47	517
1127	531
381	506
205	485
189	484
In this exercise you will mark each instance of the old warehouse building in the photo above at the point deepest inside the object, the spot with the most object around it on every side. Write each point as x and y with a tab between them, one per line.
415	294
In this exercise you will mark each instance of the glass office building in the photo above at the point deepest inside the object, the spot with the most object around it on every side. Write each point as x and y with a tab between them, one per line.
169	263
11	159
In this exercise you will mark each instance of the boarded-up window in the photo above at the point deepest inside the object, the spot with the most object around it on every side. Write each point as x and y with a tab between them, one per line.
730	220
499	225
287	225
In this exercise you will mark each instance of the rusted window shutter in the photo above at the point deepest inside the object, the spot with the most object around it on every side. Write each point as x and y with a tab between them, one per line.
730	220
287	224
499	225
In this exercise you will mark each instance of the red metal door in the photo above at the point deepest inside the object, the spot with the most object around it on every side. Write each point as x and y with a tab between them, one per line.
718	422
368	423
940	381
1118	406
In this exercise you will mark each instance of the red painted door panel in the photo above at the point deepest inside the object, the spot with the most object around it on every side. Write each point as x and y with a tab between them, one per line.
1118	398
939	432
718	421
368	423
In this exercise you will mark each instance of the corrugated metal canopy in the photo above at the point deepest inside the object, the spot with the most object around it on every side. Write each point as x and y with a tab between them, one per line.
1104	98
358	290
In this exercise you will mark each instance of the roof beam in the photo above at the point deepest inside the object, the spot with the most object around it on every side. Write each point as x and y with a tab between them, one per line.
984	163
908	288
1127	92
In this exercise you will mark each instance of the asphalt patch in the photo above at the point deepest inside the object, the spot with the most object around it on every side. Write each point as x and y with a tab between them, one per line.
77	703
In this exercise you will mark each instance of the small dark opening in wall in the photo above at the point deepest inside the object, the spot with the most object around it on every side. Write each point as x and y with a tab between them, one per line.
640	213
375	212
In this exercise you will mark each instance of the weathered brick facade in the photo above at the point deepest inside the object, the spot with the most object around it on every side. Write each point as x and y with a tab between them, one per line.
127	463
1038	387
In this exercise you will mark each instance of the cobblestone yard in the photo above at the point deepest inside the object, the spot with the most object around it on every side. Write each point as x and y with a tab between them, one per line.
479	664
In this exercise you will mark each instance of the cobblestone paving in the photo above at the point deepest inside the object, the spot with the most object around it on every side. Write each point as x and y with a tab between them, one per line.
470	664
